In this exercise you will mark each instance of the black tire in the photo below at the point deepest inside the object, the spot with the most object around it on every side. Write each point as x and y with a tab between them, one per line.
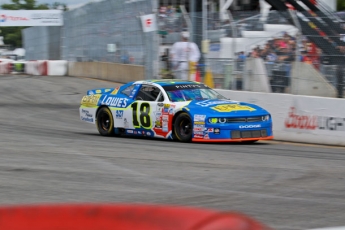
183	128
105	122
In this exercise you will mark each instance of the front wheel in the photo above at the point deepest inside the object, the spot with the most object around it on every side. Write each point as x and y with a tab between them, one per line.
183	128
105	122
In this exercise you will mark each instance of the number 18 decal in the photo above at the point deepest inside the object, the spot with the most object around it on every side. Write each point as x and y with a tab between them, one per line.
144	115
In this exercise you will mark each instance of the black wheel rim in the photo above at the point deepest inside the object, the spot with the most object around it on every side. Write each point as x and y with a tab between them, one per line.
104	121
185	127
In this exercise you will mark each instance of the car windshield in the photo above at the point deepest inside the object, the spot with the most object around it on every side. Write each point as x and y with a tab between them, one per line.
177	93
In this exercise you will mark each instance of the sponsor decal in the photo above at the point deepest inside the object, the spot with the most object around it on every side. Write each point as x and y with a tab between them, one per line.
199	117
196	129
158	114
209	103
4	18
160	104
86	112
133	93
90	100
188	86
125	122
199	136
216	131
206	136
107	90
115	91
313	122
139	132
166	106
119	114
199	126
115	101
199	122
185	86
198	133
171	111
158	124
130	131
148	134
210	130
87	119
249	126
135	132
165	118
86	116
232	108
98	91
165	127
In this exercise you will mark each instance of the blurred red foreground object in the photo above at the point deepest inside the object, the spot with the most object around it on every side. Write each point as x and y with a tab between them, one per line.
121	217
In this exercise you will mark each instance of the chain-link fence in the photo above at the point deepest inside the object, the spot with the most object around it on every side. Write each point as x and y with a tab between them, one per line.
111	31
42	42
106	31
291	62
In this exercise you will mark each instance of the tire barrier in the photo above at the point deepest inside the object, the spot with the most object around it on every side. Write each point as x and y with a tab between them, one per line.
17	67
12	67
5	68
122	217
57	68
46	68
32	68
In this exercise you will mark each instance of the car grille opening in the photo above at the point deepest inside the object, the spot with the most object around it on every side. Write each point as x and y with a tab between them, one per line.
243	119
248	134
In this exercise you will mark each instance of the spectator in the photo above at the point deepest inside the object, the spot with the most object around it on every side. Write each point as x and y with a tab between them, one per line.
182	53
272	57
241	56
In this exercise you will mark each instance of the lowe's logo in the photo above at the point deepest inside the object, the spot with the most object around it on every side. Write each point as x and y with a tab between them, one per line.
249	126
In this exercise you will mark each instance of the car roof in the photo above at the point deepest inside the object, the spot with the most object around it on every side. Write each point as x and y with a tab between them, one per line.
166	82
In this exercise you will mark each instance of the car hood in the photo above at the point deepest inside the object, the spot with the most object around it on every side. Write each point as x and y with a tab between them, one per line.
225	108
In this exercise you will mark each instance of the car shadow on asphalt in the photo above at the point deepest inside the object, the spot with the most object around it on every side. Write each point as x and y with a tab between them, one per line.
129	137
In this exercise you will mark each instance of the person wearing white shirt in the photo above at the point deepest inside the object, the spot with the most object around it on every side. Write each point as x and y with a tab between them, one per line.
182	53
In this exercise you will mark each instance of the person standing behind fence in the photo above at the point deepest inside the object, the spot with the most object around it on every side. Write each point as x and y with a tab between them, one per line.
182	53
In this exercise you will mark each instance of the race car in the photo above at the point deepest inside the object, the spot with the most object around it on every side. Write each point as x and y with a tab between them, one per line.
174	109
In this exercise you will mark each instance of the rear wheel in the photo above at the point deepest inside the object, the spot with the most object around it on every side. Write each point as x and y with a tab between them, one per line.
183	128
105	122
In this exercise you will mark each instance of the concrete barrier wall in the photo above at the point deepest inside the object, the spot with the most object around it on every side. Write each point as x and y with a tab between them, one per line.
256	77
306	80
107	71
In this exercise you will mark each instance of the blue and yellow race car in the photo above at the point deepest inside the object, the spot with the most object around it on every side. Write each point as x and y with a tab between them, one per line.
174	109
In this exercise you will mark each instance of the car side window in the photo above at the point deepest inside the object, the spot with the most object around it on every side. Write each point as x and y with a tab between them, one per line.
148	93
160	97
127	91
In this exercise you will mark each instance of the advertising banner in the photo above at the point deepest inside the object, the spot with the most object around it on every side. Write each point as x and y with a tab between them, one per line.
31	18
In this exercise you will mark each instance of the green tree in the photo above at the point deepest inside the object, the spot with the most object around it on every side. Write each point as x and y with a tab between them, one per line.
58	5
13	35
340	5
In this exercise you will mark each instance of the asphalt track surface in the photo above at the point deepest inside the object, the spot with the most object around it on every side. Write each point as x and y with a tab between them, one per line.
49	156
